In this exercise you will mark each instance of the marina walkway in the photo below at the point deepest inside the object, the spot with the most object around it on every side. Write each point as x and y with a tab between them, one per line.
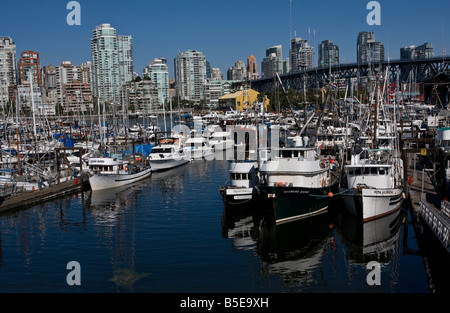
421	182
38	196
427	206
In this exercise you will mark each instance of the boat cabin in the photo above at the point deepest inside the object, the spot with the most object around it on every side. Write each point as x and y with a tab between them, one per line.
107	166
372	175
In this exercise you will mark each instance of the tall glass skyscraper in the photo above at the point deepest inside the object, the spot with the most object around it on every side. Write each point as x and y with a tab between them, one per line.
158	72
190	75
126	63
273	62
369	50
105	63
328	54
8	67
301	55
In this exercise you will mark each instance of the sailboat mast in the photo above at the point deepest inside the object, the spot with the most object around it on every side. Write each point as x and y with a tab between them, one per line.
375	121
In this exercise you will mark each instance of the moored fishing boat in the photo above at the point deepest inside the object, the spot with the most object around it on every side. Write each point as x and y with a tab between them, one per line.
241	189
297	182
374	185
112	172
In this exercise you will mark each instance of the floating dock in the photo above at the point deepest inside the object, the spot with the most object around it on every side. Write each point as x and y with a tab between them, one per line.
428	208
30	198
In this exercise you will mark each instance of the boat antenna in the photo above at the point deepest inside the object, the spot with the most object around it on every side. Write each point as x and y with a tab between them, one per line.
289	102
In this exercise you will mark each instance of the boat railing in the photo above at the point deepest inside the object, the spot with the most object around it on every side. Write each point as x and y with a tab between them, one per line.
438	222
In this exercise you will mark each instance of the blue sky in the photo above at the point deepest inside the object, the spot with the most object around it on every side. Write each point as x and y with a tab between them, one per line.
226	30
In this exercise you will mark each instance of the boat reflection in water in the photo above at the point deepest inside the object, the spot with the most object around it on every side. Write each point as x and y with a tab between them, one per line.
295	250
119	198
242	229
110	210
305	253
376	240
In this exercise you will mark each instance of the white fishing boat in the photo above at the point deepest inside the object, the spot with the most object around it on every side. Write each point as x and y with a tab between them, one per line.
112	172
169	153
374	185
243	180
296	181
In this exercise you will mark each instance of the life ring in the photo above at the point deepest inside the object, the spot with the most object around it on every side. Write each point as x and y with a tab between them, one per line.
125	168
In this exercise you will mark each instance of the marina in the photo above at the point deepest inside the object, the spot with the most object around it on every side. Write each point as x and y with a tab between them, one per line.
173	230
177	243
312	170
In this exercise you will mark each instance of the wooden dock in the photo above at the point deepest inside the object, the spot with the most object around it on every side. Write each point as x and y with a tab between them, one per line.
30	198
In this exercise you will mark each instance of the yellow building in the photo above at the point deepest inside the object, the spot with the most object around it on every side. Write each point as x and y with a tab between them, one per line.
242	100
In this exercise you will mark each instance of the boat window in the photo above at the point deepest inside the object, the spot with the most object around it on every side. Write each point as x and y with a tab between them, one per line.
240	176
358	171
286	154
367	171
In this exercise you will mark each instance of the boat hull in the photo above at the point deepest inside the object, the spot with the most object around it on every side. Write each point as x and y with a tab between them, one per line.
238	196
197	154
286	204
106	181
370	204
166	164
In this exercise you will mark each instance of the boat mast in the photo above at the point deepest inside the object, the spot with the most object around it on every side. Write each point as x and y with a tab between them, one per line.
374	137
17	134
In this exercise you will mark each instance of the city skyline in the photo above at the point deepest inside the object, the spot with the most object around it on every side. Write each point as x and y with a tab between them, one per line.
225	32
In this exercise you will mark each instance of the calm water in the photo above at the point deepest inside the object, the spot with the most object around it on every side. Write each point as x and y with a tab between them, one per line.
169	234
